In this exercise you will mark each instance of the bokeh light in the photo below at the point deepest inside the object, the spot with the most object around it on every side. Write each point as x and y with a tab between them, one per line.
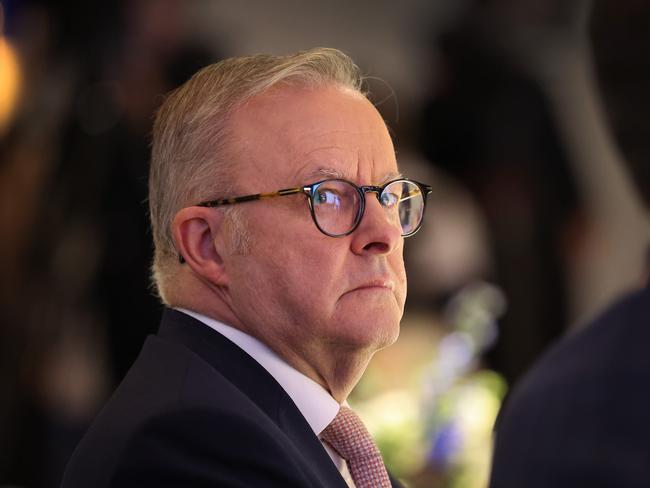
10	78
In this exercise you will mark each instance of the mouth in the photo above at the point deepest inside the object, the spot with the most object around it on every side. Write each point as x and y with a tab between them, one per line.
375	285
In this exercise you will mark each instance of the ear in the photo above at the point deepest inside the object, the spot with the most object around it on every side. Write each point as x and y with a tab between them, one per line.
197	234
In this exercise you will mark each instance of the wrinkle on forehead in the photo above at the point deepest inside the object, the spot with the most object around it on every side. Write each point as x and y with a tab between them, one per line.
322	173
307	136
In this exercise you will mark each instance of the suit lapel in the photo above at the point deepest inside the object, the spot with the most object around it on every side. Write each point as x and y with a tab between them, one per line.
255	382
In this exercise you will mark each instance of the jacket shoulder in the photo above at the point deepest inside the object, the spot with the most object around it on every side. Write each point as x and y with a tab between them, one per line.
580	416
167	387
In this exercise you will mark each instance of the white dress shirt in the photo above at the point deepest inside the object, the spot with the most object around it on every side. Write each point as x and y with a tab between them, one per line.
314	402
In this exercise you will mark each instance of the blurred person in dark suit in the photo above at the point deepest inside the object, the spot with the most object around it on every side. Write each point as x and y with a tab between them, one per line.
277	299
580	416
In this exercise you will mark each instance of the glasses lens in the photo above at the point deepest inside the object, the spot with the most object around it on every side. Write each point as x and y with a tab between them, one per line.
405	197
336	206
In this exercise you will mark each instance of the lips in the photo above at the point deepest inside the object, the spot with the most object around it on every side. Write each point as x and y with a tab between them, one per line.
387	284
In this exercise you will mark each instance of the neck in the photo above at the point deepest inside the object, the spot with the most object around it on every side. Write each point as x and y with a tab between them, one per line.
337	367
337	371
206	299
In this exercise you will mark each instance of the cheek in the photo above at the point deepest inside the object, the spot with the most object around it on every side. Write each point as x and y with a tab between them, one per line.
301	269
399	271
316	272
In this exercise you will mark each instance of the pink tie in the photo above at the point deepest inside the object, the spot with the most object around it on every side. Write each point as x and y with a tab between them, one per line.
350	438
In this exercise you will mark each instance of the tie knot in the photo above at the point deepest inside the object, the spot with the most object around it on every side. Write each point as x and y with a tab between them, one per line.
350	438
347	434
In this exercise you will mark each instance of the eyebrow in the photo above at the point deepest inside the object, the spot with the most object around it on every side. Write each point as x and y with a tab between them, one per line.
320	173
392	176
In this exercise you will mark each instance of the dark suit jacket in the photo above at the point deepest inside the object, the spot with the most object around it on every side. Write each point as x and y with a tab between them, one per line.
197	411
581	417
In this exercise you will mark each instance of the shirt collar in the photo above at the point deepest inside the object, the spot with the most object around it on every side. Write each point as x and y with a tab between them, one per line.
314	402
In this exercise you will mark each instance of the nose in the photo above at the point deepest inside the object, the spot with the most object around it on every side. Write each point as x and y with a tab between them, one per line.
378	232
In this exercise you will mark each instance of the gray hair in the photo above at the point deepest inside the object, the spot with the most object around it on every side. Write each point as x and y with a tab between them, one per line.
189	160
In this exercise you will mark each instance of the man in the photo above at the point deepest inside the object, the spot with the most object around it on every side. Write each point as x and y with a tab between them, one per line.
277	298
581	417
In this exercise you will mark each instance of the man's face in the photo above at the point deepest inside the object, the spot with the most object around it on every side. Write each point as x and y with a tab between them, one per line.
298	289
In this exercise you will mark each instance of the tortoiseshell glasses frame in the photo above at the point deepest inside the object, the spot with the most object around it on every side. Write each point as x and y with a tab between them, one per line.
413	188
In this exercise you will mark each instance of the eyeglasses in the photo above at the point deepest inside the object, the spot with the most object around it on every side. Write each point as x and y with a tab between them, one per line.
337	205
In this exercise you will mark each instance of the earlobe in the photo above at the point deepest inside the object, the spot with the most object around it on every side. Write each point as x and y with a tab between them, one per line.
195	231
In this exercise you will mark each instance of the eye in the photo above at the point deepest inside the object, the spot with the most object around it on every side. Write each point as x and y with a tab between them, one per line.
389	199
328	196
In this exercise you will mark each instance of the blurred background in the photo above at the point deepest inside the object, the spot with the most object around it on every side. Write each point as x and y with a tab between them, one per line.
532	227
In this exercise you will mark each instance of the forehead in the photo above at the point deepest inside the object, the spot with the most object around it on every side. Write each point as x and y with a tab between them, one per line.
290	136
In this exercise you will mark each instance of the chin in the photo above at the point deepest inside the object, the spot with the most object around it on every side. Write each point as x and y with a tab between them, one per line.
371	332
390	335
368	322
